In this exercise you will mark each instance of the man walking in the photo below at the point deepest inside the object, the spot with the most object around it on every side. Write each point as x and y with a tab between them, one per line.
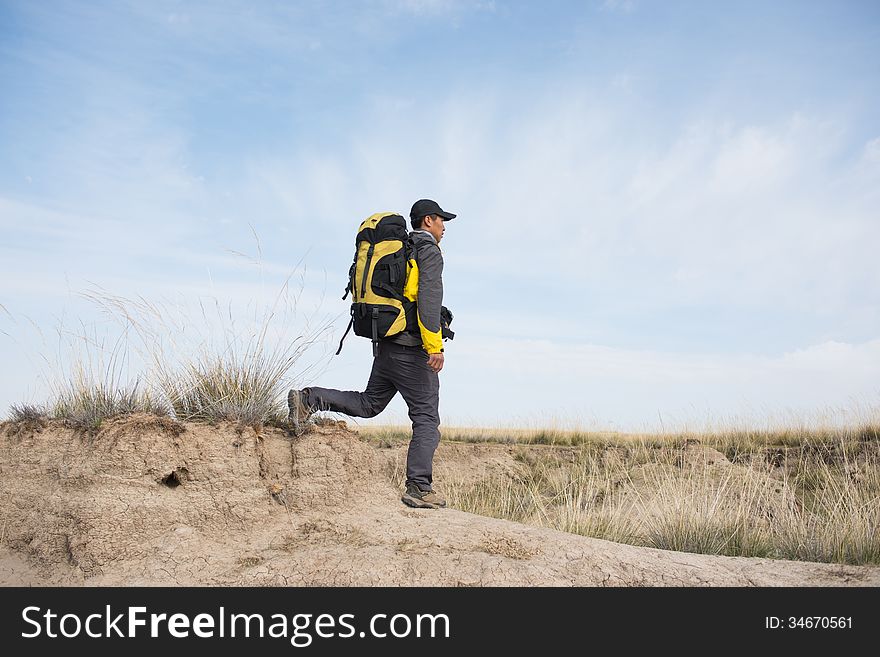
408	362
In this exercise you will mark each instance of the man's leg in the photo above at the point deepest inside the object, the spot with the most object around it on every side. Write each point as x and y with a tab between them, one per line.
369	403
420	387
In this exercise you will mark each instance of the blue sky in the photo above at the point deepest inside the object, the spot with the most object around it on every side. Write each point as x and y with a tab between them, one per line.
666	209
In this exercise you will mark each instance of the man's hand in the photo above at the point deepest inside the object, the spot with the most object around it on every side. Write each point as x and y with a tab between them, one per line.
435	361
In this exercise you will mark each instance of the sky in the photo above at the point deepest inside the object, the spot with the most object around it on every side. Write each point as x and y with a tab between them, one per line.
668	212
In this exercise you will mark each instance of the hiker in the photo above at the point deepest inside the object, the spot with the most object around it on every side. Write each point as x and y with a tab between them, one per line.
407	361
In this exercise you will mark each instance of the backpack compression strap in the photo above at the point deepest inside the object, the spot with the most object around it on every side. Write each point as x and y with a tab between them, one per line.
350	324
375	330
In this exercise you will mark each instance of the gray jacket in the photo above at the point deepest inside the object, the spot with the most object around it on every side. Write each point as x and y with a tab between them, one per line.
429	260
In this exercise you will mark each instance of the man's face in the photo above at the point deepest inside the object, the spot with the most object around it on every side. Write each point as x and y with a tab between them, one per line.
434	225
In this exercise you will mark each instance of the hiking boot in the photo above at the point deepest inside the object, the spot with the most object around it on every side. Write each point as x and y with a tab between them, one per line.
422	499
299	411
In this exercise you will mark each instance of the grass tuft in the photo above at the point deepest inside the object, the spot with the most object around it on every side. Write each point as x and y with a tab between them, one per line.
29	413
86	407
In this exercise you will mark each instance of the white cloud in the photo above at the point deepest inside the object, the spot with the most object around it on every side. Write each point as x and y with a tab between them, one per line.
753	160
425	6
625	6
872	151
439	7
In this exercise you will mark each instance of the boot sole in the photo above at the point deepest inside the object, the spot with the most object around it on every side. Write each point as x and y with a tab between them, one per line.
419	504
293	410
297	414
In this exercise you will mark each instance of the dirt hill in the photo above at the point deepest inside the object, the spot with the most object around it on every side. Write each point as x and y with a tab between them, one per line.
149	501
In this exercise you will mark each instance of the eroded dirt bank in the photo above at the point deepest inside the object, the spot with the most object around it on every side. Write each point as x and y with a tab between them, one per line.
149	501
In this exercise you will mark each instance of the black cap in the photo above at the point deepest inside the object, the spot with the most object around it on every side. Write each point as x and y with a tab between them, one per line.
424	207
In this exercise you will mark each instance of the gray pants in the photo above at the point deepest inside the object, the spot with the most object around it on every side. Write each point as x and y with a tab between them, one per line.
404	369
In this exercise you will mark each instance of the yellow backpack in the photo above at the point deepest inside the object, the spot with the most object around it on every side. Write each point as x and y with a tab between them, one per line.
380	281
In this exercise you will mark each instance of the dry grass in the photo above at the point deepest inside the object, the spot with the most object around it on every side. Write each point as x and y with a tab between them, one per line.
85	407
24	420
735	435
390	435
28	413
90	386
207	362
211	367
813	498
